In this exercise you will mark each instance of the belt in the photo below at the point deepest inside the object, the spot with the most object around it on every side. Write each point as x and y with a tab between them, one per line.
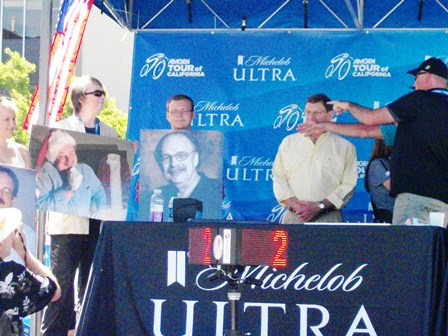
329	210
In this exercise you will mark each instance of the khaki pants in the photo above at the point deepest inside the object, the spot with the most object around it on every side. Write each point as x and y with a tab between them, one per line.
408	206
334	216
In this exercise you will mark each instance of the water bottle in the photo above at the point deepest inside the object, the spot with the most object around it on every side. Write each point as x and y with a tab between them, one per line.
156	208
171	208
47	251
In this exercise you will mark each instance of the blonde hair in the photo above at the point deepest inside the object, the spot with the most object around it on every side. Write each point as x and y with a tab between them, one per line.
8	104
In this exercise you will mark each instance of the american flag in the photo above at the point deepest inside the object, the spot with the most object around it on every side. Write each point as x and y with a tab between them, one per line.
63	55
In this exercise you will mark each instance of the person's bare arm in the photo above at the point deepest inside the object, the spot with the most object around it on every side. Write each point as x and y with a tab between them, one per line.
365	115
32	263
350	130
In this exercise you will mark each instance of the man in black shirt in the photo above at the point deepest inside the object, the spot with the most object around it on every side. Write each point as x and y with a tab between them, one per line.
419	170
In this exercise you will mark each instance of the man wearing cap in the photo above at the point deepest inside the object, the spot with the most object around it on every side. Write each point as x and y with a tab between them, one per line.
422	117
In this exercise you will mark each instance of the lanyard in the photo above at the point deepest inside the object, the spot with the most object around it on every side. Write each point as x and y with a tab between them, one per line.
97	124
445	92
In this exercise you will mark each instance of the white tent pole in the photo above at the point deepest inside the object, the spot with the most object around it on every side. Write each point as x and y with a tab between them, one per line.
273	14
44	63
214	13
352	12
158	13
333	13
390	12
441	5
122	23
361	14
44	59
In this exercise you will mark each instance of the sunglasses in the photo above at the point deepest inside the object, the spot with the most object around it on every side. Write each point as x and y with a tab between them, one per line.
96	93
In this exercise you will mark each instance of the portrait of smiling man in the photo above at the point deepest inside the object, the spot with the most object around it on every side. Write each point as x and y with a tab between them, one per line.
64	184
8	187
182	164
19	195
179	161
178	155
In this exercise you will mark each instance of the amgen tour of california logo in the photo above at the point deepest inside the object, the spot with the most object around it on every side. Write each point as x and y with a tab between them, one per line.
343	64
156	65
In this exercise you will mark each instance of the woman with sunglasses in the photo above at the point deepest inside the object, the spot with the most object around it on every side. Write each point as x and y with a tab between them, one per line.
87	97
74	238
11	153
25	289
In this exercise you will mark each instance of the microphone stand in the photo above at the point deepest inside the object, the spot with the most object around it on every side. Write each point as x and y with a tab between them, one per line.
234	292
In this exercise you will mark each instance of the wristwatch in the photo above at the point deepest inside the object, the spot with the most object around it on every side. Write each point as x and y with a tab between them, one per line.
321	205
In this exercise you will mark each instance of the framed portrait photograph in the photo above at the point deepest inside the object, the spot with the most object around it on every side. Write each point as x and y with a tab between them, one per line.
81	174
182	164
18	190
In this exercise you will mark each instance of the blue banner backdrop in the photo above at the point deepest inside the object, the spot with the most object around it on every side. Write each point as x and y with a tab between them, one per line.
252	85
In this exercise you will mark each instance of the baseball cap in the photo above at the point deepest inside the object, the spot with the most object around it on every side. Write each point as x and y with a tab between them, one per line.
432	65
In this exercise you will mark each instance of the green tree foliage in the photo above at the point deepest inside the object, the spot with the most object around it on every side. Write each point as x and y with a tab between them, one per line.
114	117
15	83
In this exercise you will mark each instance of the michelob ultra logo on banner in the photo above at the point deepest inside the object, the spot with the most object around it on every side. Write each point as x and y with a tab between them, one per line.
253	86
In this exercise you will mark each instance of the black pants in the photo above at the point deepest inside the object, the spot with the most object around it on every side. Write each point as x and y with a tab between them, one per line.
69	252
